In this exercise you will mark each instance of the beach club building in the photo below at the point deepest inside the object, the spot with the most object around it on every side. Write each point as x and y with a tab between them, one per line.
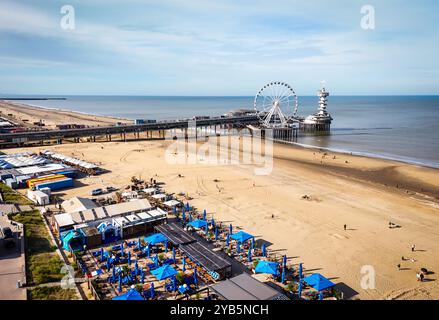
110	223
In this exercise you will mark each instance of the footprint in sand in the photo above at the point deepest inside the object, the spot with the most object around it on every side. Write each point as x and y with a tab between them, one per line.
338	236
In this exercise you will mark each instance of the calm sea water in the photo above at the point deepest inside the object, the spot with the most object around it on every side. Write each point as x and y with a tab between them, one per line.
396	127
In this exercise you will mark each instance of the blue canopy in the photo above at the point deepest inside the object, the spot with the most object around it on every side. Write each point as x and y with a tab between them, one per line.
267	267
130	295
198	224
164	272
241	236
155	239
318	282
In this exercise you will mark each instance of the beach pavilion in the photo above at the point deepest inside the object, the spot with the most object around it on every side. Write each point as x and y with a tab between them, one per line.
198	224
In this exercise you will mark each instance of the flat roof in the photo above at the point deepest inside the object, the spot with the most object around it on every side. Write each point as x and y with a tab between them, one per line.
200	253
171	203
175	234
42	168
245	287
64	220
157	213
78	204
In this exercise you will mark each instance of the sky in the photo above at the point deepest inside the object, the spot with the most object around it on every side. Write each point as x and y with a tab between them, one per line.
218	48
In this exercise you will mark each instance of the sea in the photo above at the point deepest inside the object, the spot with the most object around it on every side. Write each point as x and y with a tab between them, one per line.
403	128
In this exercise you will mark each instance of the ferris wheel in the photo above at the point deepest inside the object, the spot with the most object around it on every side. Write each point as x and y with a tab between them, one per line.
270	101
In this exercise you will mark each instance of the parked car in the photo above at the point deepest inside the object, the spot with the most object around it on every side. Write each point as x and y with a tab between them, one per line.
111	189
97	192
8	237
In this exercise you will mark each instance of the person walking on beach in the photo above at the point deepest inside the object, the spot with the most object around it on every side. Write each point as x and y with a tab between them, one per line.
413	248
345	226
399	266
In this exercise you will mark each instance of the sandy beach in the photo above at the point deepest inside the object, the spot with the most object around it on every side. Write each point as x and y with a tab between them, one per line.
357	191
19	113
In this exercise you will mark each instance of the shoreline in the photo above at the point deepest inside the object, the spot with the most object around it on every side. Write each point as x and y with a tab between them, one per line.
112	119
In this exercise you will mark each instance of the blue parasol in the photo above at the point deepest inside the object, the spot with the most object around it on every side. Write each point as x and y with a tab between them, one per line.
173	254
108	265
204	214
320	295
238	247
267	267
139	245
228	240
230	229
130	295
136	268
148	251
195	277
183	215
249	255
184	264
102	254
152	290
129	258
300	271
299	293
212	222
166	246
121	250
264	250
283	276
174	210
188	207
114	272
284	261
119	288
253	243
216	233
190	217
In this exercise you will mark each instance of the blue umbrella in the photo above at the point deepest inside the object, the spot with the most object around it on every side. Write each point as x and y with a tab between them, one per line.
156	260
108	265
204	214
228	240
173	254
195	277
148	251
190	217
264	250
102	254
283	275
249	255
139	246
142	276
238	247
120	283
230	229
184	264
212	222
188	207
267	267
152	290
164	272
183	215
129	258
121	250
174	283
136	268
320	295
114	272
174	210
253	243
216	233
299	293
285	261
130	295
207	230
166	246
300	271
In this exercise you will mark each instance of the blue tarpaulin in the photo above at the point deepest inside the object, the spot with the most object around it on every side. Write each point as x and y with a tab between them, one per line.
130	295
198	224
267	267
164	272
318	282
155	239
241	236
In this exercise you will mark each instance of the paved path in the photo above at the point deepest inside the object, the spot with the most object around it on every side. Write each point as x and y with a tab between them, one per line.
11	269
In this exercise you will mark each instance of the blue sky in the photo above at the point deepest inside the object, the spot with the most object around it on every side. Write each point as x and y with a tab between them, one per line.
222	47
